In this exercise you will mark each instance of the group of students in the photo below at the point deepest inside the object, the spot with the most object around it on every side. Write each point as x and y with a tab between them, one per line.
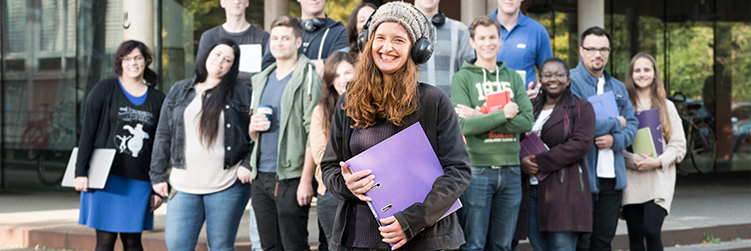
328	92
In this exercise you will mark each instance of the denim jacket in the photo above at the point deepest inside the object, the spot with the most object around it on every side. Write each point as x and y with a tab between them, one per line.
169	143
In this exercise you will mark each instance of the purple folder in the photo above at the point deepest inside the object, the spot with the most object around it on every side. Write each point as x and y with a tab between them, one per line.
604	105
405	168
533	145
651	118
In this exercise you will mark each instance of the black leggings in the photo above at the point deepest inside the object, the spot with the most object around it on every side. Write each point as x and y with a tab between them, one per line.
105	241
644	221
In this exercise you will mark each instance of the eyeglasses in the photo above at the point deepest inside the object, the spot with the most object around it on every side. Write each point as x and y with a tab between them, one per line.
592	51
136	58
547	76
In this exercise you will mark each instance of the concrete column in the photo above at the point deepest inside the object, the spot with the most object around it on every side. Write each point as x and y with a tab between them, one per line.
138	21
590	13
272	10
472	10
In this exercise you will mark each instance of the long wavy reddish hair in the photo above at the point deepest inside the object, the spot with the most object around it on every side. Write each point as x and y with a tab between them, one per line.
369	99
658	95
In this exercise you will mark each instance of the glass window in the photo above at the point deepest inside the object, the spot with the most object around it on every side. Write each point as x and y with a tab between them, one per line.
54	53
39	92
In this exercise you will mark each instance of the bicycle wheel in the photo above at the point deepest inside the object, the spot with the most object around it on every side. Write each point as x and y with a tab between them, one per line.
701	147
51	167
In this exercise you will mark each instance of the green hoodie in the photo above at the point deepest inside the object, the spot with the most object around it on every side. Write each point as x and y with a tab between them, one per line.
492	140
298	99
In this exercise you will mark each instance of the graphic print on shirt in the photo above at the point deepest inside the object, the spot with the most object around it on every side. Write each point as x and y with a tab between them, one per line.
490	87
129	134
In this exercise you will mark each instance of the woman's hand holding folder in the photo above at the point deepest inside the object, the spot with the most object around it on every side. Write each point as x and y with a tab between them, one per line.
392	232
356	183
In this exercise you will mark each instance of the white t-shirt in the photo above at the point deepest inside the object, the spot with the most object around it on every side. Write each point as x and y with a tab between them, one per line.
605	157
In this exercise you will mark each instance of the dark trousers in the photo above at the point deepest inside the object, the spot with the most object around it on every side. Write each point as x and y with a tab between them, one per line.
606	205
644	222
282	223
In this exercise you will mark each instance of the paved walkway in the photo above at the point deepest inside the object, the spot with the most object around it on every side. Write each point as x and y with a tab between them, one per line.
718	204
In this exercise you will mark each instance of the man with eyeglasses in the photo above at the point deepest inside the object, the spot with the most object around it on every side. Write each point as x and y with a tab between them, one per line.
605	163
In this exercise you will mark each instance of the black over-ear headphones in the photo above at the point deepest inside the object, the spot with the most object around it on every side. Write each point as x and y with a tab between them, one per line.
422	49
311	25
439	19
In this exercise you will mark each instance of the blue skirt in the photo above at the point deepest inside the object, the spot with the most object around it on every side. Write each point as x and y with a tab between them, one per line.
121	207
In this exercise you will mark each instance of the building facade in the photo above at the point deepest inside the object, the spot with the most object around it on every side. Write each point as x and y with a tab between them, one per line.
54	51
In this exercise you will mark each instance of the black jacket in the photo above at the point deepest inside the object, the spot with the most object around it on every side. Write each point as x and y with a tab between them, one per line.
97	127
169	145
419	221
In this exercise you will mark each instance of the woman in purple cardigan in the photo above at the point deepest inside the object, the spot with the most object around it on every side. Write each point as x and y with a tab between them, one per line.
557	207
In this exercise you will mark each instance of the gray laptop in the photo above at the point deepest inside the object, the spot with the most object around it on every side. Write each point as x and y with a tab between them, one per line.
99	167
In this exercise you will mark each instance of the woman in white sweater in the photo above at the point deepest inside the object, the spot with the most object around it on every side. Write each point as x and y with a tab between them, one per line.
651	179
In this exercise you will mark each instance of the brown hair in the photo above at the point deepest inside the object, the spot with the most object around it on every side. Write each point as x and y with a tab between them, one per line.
126	48
329	95
369	99
657	93
352	34
288	21
482	21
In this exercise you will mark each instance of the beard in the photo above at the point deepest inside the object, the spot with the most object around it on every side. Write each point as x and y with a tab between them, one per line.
595	68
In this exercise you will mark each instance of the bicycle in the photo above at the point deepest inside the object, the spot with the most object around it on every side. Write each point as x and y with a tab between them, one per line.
700	137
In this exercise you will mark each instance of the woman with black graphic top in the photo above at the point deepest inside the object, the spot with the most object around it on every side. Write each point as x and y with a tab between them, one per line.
122	114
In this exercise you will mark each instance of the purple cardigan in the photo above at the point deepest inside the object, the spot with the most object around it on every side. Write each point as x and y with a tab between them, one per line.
564	198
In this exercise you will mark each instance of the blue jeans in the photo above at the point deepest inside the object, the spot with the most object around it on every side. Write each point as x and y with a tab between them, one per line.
255	240
221	210
490	208
553	241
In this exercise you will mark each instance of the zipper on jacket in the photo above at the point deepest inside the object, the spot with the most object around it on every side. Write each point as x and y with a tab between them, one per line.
581	182
563	174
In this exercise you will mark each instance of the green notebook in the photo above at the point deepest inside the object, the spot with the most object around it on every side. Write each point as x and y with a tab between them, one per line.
643	142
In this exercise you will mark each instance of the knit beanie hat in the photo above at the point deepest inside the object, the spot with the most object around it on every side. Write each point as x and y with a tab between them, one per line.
405	14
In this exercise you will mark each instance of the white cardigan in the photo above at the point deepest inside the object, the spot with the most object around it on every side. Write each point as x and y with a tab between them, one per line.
657	184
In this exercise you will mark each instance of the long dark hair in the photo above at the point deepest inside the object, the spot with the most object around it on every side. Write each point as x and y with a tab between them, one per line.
354	51
567	98
126	48
329	95
216	98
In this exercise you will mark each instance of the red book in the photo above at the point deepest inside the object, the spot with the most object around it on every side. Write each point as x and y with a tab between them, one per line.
496	101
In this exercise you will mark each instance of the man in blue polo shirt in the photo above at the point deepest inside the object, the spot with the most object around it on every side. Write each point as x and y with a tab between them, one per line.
524	42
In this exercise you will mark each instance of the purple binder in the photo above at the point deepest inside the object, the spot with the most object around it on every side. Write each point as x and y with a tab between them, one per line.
604	105
533	145
405	168
651	118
